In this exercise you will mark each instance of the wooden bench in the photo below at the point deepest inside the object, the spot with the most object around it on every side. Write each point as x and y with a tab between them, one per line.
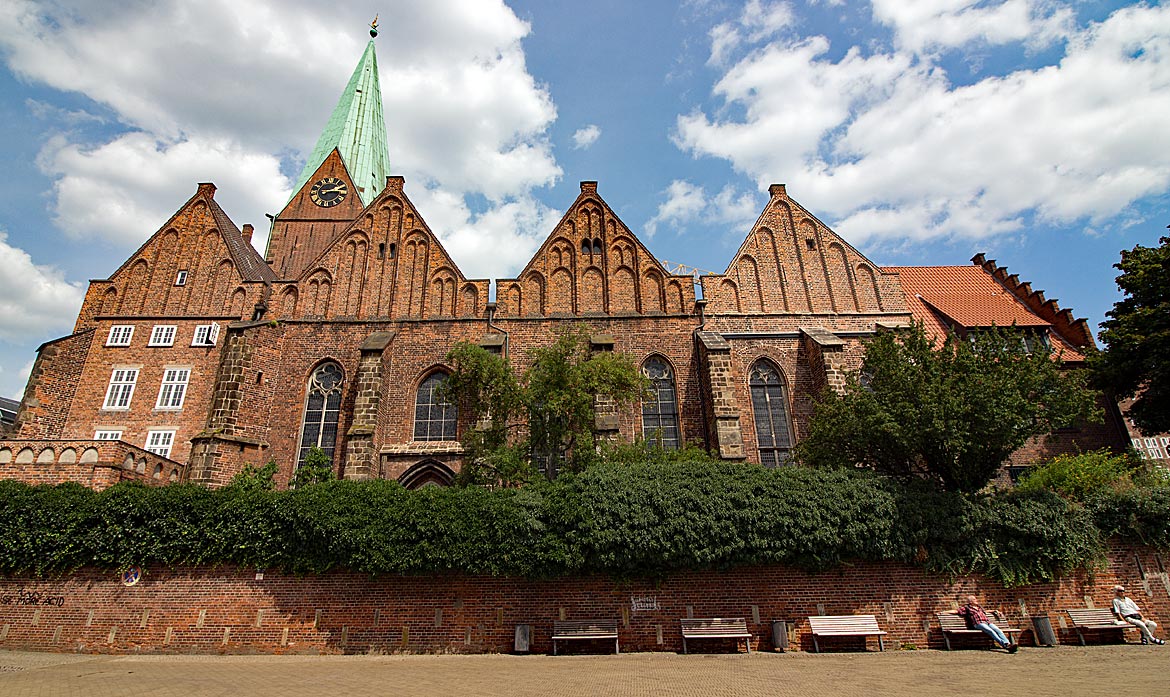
1097	619
585	629
845	625
953	624
716	628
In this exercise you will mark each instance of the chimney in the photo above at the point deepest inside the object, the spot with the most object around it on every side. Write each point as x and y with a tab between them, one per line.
206	189
777	190
248	232
589	187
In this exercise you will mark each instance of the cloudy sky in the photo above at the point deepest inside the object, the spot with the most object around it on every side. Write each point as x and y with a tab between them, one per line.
923	131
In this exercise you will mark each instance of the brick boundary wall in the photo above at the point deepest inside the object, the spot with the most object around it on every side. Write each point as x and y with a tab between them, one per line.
234	611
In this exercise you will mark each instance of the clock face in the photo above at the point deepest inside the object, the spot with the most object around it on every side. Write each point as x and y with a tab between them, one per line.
328	192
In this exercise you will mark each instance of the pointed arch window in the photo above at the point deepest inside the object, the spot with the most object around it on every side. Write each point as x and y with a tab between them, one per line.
434	419
660	407
322	409
770	409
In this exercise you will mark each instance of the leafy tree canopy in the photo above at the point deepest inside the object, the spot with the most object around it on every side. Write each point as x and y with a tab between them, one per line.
951	413
543	420
1136	360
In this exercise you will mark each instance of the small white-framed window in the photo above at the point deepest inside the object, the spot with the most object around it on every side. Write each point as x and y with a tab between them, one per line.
107	435
121	389
181	278
206	335
120	335
162	335
174	388
160	442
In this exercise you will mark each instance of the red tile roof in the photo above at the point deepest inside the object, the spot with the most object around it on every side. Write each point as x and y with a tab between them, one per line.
968	297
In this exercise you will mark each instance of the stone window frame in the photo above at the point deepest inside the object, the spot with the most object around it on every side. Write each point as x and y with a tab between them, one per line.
163	335
649	431
173	390
441	422
776	449
163	449
331	388
120	393
120	335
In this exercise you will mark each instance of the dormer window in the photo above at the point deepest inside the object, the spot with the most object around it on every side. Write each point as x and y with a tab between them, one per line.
181	278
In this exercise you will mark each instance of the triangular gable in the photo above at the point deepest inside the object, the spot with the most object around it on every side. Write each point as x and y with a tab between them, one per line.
791	262
385	263
591	264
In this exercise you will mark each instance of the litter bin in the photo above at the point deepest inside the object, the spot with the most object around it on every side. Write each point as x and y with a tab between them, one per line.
1042	630
523	638
780	634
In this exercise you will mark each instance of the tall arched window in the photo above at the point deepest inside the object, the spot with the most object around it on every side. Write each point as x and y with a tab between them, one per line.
434	419
322	407
660	406
770	408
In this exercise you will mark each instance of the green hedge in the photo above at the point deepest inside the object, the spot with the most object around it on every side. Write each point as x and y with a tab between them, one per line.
620	519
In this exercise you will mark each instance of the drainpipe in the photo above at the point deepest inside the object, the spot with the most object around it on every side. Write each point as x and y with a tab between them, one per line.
491	312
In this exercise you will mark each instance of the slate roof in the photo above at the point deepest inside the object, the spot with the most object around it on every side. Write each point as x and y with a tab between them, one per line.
942	297
251	265
8	409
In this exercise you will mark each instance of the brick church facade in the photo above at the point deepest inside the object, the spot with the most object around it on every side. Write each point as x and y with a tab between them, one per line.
198	355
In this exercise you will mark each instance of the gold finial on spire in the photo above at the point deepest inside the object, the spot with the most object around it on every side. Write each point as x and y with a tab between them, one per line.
374	27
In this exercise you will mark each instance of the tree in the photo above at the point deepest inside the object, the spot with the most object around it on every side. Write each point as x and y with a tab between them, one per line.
317	468
555	401
952	413
1136	359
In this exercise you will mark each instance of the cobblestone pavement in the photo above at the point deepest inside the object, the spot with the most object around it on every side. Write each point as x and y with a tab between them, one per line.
1097	670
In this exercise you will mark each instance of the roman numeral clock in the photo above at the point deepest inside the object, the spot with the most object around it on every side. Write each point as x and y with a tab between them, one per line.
328	192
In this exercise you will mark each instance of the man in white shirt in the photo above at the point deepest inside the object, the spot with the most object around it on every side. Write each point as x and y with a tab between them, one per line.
1125	608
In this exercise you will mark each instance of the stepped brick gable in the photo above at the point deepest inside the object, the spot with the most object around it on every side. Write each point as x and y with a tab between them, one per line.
592	266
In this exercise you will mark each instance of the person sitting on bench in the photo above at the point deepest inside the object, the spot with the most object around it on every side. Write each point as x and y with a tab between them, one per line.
1125	608
977	618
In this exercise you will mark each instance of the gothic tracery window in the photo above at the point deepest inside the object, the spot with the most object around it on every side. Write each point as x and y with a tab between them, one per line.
322	408
660	407
770	408
434	419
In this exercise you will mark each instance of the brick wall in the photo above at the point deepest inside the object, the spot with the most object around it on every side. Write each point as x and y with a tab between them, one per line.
231	610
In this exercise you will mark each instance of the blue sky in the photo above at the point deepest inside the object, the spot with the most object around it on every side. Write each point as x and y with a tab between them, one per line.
923	132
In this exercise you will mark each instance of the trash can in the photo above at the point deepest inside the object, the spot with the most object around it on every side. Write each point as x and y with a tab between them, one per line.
523	638
780	634
1042	630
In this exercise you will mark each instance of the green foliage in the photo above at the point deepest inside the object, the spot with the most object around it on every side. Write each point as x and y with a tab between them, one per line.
951	413
556	398
253	477
628	517
1080	476
316	469
1136	360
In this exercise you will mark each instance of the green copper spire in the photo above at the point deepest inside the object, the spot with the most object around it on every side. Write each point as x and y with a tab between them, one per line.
358	131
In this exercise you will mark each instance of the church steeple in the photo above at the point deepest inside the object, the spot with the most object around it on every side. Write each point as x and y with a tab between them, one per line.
358	132
346	171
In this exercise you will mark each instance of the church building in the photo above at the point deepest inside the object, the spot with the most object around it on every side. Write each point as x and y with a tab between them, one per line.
198	355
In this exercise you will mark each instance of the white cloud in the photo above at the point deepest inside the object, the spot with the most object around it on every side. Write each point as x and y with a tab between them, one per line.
757	21
35	301
222	84
890	147
585	137
927	24
126	189
688	203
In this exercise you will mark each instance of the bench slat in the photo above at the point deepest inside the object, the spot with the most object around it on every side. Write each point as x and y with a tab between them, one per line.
951	623
1096	618
585	629
845	625
715	628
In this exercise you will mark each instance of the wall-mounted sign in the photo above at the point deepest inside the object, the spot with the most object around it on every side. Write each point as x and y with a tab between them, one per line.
645	603
131	576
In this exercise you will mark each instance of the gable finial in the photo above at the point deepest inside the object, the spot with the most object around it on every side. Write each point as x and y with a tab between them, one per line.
374	27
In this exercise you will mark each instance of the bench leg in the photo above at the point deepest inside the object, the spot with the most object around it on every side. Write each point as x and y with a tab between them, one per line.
616	647
947	641
816	646
1081	634
554	647
684	643
748	642
881	644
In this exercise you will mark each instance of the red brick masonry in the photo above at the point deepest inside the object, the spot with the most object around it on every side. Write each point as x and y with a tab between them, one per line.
232	610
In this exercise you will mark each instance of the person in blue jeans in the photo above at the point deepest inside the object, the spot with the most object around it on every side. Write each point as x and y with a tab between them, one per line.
976	618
